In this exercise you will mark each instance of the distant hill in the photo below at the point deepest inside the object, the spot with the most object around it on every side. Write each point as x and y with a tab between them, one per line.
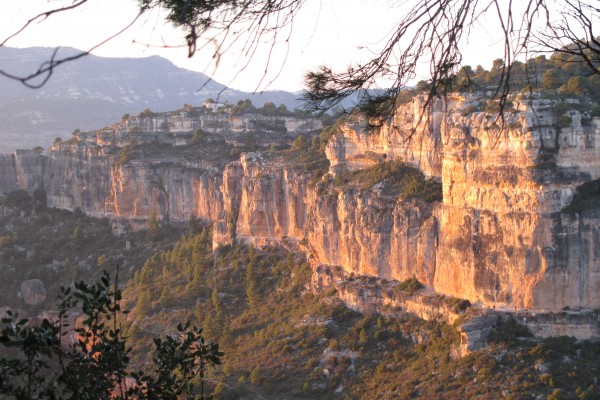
93	91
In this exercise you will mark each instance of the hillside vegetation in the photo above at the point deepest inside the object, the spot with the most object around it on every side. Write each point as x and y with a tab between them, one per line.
283	341
559	75
280	339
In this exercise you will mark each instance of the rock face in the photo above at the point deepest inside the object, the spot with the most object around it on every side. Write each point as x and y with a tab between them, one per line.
93	180
580	324
369	234
412	135
503	238
498	238
33	291
273	202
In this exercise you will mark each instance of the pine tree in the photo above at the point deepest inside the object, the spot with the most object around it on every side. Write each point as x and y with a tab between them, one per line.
153	226
226	339
252	253
165	297
251	289
192	224
208	326
77	234
215	299
143	304
255	376
362	337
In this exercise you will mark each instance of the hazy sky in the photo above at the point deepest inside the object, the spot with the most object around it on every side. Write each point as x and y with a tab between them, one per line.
325	32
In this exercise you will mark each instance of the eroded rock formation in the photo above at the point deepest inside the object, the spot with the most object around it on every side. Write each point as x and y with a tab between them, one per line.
498	238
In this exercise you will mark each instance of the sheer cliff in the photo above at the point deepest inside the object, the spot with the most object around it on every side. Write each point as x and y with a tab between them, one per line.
502	237
506	232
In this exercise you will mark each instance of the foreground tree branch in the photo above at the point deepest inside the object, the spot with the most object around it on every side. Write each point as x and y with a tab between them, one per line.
96	364
428	31
574	34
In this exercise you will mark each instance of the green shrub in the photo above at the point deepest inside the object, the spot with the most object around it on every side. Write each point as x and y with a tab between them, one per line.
255	376
468	110
397	178
457	305
558	394
587	197
546	160
126	154
411	286
508	331
18	198
564	121
492	107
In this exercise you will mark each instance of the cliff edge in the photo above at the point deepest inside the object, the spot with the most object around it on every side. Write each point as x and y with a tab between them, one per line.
500	211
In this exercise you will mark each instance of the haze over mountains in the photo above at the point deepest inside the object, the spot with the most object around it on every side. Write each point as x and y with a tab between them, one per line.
93	92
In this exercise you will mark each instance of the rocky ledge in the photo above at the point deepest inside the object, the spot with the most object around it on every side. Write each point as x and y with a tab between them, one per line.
502	213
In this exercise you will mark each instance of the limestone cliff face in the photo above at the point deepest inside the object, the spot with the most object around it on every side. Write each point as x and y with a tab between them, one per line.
412	135
219	122
224	225
497	238
173	192
501	238
77	177
91	178
273	203
29	169
368	233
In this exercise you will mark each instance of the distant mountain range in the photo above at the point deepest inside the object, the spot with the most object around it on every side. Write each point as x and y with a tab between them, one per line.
93	92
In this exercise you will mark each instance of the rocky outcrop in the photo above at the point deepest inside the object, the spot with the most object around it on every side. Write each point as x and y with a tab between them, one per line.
33	291
376	295
499	237
412	135
582	324
367	232
474	333
369	294
475	324
503	238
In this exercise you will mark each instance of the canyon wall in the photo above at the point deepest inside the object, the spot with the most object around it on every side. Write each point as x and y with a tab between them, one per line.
498	238
413	135
503	238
